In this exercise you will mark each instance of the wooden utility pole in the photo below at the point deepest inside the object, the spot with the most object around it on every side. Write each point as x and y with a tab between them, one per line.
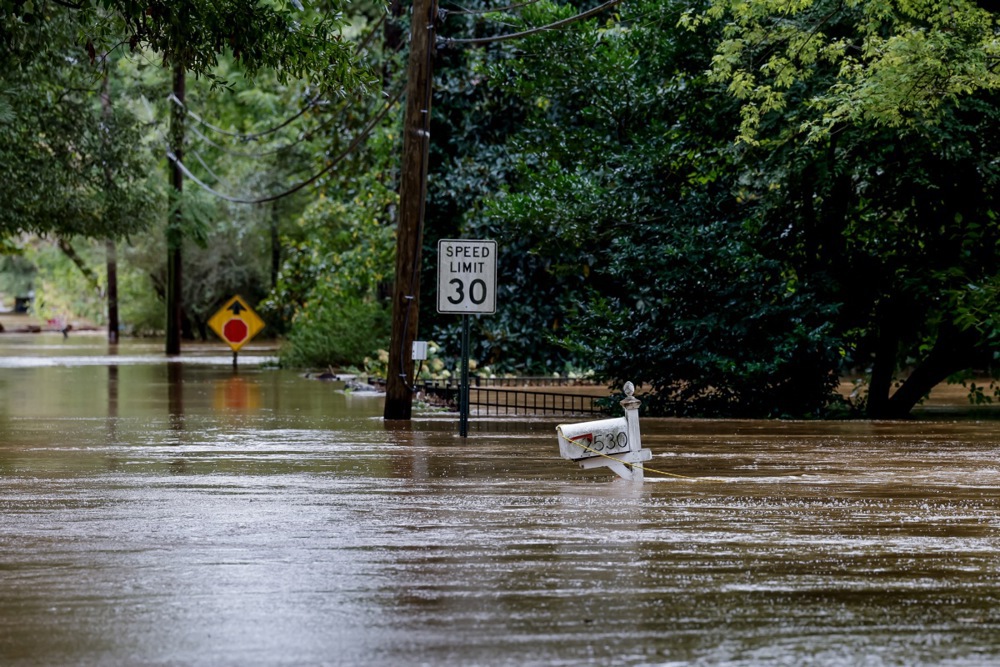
110	245
175	235
111	257
412	198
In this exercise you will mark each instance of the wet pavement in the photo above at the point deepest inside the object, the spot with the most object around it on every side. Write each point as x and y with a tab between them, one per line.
157	513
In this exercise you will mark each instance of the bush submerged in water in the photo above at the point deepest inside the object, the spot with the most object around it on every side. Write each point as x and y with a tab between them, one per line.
336	332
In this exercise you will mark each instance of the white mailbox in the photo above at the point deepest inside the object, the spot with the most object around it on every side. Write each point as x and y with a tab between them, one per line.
588	439
610	443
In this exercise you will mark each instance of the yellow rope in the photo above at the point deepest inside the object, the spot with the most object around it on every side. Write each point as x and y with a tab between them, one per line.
579	444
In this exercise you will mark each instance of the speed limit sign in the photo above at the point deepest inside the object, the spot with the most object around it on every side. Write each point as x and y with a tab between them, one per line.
467	276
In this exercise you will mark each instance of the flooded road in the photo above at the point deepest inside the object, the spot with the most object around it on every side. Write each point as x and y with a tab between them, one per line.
157	513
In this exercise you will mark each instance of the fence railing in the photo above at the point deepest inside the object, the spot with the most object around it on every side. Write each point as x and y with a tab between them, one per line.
501	401
530	381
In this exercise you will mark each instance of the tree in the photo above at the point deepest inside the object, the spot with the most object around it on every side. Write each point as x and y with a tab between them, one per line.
627	185
331	294
67	167
900	229
476	115
896	64
874	126
190	36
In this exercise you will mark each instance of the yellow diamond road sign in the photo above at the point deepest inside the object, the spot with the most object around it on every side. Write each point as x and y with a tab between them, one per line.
236	323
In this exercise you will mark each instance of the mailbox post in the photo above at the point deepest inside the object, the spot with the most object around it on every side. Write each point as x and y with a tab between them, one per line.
611	443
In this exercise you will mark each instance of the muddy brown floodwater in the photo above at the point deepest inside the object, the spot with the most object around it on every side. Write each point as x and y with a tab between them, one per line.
184	514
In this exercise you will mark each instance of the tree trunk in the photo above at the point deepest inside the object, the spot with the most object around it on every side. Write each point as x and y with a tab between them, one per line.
111	252
953	351
884	366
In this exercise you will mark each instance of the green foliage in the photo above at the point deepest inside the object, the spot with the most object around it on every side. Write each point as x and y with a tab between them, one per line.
900	227
67	165
336	332
622	236
61	290
140	307
892	63
17	274
232	263
515	118
853	227
86	177
339	256
277	36
874	176
706	325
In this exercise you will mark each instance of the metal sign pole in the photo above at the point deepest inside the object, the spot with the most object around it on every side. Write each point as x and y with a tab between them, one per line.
463	401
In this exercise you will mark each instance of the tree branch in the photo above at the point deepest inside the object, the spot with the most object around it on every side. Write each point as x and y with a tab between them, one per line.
87	272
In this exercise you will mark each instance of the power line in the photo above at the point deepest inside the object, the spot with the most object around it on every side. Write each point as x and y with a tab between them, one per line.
315	101
204	165
473	12
246	137
303	137
263	200
256	155
517	35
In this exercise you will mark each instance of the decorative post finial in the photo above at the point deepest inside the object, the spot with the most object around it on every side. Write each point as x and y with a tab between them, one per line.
630	402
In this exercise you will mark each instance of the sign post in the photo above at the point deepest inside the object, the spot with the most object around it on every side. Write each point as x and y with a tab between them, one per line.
236	324
467	285
463	399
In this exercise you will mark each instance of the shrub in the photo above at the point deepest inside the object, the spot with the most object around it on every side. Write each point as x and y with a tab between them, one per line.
336	332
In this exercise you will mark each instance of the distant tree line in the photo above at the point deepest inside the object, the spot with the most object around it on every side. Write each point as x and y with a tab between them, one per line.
734	205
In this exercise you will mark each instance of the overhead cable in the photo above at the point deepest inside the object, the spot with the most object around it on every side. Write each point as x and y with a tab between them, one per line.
517	35
204	165
316	100
259	154
303	137
495	10
333	163
251	136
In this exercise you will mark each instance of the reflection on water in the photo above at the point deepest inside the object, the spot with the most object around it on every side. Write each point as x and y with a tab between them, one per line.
236	393
184	514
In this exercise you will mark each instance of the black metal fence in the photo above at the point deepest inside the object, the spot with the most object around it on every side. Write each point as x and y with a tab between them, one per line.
500	401
530	381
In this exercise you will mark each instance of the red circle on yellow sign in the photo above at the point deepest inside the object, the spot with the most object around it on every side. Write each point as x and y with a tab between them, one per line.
235	331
